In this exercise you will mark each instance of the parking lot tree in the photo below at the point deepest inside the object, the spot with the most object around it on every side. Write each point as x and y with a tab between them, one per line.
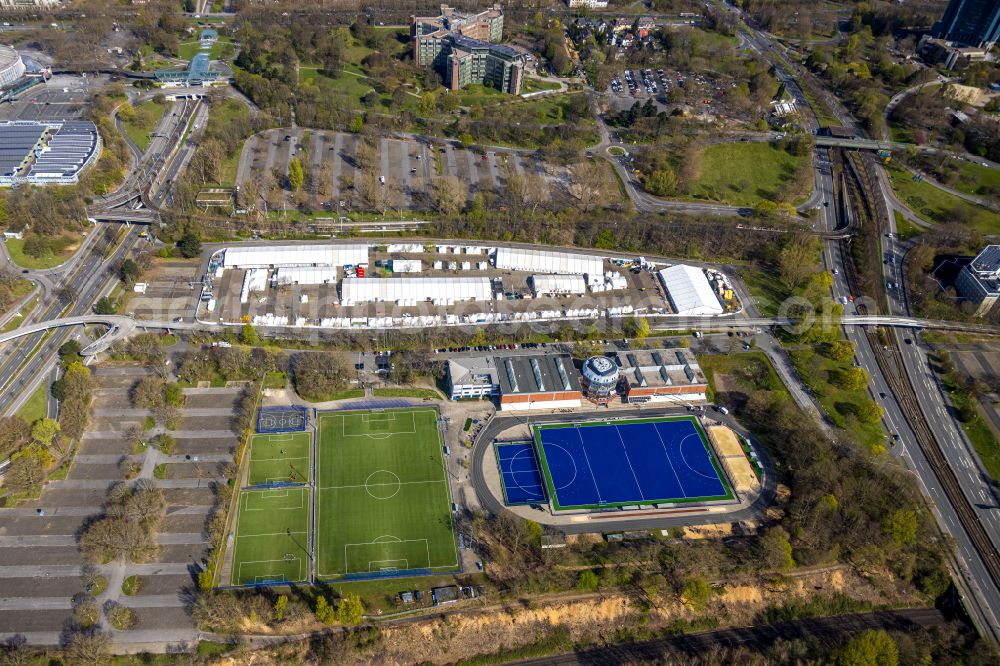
27	469
638	328
296	176
44	431
450	195
147	393
15	432
75	405
88	647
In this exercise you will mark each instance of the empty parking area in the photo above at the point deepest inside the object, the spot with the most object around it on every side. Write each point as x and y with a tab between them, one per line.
337	164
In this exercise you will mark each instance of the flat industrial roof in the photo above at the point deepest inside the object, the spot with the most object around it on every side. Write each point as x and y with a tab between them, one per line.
536	373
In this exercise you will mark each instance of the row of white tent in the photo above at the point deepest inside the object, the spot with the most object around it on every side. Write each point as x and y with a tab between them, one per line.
423	321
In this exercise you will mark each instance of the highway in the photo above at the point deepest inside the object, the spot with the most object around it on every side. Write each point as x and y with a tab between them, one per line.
94	278
974	574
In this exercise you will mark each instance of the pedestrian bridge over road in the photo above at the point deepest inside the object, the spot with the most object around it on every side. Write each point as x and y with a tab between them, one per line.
119	327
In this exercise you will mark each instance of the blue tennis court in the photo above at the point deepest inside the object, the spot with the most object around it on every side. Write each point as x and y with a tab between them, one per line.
522	480
642	461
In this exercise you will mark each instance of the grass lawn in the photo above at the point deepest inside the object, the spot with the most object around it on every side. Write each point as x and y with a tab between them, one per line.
748	364
433	394
143	123
532	84
383	495
280	457
819	373
272	536
223	114
743	174
976	179
985	442
766	289
21	289
34	408
905	229
62	248
478	95
935	205
275	380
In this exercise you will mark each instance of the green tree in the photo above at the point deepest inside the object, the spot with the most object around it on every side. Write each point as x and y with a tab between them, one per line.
280	606
129	271
466	139
852	379
69	352
901	527
295	174
104	306
44	431
638	328
870	412
357	124
248	335
324	612
696	593
173	394
874	647
661	182
189	245
587	581
839	350
350	610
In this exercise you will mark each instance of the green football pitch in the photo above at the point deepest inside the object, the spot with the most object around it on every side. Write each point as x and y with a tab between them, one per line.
280	458
383	499
272	536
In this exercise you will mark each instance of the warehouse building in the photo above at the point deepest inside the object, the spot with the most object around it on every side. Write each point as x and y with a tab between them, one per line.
474	377
288	256
46	153
548	262
540	381
689	291
410	291
661	375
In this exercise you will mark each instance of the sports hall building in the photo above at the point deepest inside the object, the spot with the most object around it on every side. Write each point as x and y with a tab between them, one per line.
661	375
535	381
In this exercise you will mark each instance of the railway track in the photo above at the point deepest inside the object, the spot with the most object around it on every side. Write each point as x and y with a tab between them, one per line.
891	364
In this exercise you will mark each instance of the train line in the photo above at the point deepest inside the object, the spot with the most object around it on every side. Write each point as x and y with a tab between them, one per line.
890	361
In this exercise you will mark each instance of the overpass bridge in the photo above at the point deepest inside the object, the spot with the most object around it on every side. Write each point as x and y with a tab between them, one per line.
119	327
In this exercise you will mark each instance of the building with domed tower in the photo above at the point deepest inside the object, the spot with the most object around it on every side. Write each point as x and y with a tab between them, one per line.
600	379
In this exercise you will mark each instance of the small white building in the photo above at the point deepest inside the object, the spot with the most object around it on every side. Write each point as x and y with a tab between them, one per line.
474	377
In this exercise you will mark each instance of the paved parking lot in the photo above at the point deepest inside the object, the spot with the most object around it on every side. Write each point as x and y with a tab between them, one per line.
408	165
61	98
40	562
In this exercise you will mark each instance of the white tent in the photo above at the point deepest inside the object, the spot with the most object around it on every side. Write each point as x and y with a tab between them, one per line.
295	255
415	290
406	265
306	275
543	261
253	280
545	285
689	291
